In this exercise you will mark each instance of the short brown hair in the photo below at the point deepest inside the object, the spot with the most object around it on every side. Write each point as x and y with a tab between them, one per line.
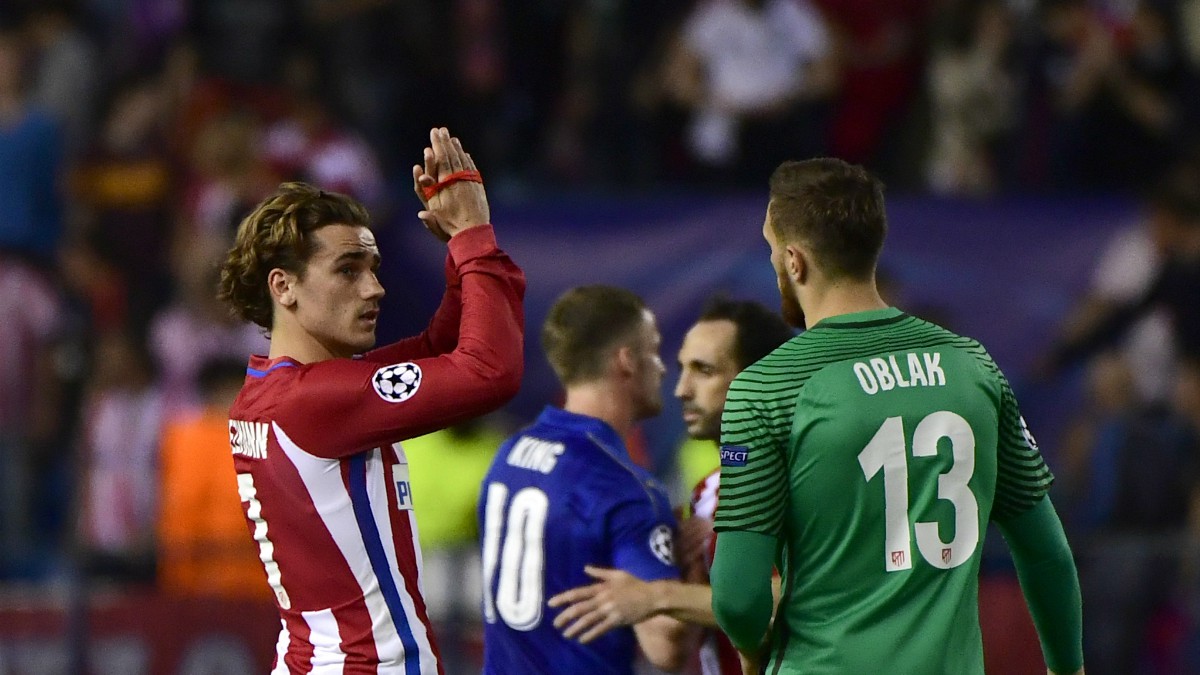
278	233
584	325
759	330
834	207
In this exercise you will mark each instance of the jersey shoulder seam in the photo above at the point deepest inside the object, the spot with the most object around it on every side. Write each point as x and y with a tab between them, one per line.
616	459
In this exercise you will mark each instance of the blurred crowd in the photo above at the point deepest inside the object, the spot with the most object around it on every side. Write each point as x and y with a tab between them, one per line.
134	134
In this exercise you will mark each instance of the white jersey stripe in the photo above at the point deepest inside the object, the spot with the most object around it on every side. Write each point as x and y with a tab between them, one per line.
323	479
281	648
378	486
328	657
366	513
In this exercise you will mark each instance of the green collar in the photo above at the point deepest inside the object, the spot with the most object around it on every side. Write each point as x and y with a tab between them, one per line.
871	317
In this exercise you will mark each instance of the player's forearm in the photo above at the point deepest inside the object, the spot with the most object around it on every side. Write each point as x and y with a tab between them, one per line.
741	587
442	334
1050	584
665	641
687	602
491	334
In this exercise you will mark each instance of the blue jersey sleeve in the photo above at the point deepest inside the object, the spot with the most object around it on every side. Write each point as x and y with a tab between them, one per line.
641	529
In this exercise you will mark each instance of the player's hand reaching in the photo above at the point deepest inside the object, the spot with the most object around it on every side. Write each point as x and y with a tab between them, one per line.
617	599
450	207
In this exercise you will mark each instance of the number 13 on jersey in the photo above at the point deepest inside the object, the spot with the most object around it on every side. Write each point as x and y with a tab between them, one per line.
886	452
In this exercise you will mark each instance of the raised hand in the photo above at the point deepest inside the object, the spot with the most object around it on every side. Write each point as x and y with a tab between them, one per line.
456	206
423	178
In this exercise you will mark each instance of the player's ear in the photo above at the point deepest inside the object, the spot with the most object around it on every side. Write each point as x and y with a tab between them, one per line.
798	263
282	283
625	360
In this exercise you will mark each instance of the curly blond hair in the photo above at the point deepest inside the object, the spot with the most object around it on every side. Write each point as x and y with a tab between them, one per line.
278	234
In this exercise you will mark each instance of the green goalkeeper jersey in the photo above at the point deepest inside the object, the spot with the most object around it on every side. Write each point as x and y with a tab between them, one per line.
876	447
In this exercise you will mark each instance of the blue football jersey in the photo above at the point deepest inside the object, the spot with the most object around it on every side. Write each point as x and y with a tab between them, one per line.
562	494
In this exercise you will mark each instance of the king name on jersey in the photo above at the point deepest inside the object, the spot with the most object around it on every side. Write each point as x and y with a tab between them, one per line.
535	454
900	372
248	439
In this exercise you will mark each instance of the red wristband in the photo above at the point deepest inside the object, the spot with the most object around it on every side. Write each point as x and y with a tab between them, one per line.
468	175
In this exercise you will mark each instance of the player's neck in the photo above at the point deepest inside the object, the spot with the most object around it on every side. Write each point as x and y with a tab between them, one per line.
290	341
599	400
842	297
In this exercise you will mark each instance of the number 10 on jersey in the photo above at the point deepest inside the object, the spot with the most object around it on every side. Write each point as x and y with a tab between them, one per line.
521	560
886	452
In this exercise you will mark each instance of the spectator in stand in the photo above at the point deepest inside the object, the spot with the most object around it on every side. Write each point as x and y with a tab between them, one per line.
202	545
1132	476
65	79
753	74
196	328
973	97
124	189
310	145
228	176
1127	267
123	415
30	161
1098	77
880	52
1174	288
31	322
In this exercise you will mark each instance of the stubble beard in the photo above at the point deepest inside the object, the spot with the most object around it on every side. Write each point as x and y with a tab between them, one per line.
789	304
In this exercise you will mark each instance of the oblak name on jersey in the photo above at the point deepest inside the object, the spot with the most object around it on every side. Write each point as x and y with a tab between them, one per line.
924	370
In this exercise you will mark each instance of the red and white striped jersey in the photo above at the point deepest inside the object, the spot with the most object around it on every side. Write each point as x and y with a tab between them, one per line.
717	654
324	481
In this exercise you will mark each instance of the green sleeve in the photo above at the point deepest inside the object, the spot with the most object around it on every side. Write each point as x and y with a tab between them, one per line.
753	470
741	586
1022	477
1050	583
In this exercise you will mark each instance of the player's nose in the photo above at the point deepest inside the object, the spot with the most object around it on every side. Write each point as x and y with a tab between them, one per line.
373	290
683	389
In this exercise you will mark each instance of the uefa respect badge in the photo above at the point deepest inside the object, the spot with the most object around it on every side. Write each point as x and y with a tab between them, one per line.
734	455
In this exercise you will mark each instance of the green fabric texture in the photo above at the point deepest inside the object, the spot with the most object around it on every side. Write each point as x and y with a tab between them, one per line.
1050	583
741	582
875	448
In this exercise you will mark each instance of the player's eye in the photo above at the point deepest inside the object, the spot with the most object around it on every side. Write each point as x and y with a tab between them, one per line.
347	271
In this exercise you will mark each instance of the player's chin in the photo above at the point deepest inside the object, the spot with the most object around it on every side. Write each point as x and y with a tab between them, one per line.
704	432
364	340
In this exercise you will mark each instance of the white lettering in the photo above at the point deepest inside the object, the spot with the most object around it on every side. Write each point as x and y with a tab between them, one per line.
896	369
915	371
248	439
866	379
935	370
886	381
924	370
535	454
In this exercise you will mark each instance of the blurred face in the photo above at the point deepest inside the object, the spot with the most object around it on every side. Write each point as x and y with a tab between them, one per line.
10	64
707	364
788	300
649	367
337	301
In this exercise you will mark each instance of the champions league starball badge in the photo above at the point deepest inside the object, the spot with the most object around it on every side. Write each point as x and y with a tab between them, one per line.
398	382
